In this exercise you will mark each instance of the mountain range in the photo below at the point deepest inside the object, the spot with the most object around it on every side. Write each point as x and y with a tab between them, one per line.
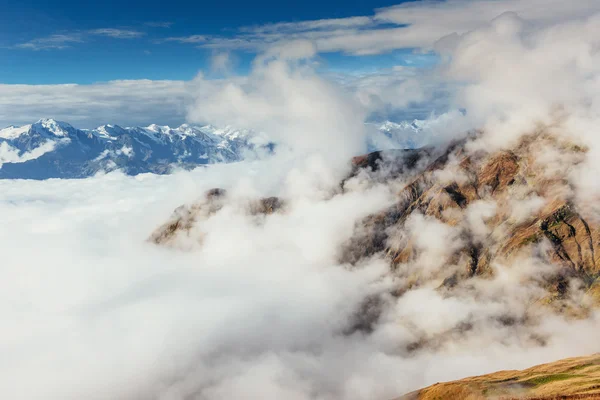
55	149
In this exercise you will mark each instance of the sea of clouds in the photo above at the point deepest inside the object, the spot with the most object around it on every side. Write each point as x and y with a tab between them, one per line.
261	310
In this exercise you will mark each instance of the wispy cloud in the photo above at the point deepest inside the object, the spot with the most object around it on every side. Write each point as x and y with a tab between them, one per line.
65	40
158	24
122	102
331	23
139	102
117	33
185	39
261	37
410	25
58	41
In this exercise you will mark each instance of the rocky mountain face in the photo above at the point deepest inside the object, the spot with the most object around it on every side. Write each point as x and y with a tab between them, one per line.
528	202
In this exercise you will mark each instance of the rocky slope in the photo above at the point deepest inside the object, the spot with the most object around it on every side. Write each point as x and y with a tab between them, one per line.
573	378
531	203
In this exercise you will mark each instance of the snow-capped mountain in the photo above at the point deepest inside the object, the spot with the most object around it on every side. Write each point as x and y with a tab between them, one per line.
54	149
389	135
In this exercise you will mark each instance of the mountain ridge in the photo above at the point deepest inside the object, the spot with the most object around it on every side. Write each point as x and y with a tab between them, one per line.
54	149
50	148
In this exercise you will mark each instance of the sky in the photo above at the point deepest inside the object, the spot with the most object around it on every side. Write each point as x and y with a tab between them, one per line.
53	42
137	63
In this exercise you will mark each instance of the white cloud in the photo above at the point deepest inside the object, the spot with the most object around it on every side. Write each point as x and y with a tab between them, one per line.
520	75
159	24
184	39
285	98
288	27
141	102
117	33
126	103
419	24
58	41
65	40
221	62
9	154
258	312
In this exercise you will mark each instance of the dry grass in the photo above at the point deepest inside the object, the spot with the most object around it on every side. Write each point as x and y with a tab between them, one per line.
574	378
594	292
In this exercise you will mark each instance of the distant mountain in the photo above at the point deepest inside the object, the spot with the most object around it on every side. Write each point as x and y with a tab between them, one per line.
389	135
54	149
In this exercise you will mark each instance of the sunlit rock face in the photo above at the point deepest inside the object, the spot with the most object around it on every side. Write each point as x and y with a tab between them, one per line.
526	200
499	211
180	227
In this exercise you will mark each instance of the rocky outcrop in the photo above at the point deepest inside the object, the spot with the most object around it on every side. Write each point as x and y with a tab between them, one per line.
185	217
179	228
450	188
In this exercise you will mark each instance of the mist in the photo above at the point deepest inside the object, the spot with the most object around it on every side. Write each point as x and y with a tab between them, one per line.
261	309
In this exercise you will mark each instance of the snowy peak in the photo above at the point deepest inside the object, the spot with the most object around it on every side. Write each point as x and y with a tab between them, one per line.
389	126
107	131
53	127
12	132
158	129
55	149
45	127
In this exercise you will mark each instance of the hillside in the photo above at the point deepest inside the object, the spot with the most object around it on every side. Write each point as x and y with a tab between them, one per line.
573	378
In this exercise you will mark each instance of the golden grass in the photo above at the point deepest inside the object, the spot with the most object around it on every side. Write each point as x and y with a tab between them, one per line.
569	378
594	292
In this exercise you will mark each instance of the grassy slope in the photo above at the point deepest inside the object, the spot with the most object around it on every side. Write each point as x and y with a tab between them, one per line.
571	378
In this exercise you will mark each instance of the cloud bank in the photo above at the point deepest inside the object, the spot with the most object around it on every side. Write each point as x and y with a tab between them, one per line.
262	309
127	103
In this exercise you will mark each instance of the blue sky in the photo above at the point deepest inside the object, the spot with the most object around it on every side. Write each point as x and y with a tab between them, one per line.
49	42
134	62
